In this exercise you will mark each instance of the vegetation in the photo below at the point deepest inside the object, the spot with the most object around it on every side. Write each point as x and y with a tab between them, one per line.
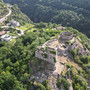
76	77
53	52
54	60
79	84
63	82
15	58
18	16
71	13
3	9
45	55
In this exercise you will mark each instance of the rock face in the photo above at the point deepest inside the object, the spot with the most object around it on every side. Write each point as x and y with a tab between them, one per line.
45	56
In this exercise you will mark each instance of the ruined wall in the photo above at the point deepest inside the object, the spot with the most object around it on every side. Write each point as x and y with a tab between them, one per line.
50	57
48	43
64	37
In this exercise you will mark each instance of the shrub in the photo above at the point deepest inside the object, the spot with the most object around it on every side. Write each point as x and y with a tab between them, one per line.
59	83
68	42
78	83
74	52
45	55
68	66
63	82
55	60
66	84
53	52
40	87
46	48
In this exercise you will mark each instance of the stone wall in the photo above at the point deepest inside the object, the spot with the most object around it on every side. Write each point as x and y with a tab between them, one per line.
48	43
50	57
64	37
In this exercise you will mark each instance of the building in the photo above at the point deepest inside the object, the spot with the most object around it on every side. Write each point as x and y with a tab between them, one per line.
6	38
59	28
2	33
14	23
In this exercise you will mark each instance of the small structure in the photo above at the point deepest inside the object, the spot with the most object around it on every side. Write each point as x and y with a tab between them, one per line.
2	33
6	38
14	23
59	28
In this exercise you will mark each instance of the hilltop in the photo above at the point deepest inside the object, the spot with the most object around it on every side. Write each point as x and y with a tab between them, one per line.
25	71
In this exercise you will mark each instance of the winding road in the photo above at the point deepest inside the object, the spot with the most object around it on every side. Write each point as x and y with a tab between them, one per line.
5	18
22	32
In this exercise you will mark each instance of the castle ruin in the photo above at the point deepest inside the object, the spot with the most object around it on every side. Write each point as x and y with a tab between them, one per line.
57	50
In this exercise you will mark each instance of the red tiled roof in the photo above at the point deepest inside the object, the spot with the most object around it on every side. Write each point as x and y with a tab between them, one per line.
2	33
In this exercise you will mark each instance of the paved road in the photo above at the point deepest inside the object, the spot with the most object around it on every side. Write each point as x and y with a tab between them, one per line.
5	18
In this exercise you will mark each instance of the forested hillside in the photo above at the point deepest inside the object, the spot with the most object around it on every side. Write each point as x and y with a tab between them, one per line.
66	12
18	16
18	61
3	9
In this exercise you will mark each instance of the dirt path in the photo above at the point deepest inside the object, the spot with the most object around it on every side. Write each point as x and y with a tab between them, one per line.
52	82
61	60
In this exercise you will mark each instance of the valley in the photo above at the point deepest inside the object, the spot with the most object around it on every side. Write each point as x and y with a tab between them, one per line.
69	13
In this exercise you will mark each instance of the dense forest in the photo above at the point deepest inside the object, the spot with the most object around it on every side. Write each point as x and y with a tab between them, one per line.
71	13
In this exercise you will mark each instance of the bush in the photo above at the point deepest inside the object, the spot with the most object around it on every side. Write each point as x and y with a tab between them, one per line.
74	52
55	60
68	42
78	83
68	66
40	87
59	83
85	59
63	82
66	84
45	55
53	52
46	48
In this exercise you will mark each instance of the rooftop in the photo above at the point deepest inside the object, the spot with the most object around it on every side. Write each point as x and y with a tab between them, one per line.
2	33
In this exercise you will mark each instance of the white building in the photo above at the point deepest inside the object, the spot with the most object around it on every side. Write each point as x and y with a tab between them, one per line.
6	38
14	23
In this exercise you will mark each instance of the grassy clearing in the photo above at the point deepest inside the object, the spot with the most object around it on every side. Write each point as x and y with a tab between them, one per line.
25	27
